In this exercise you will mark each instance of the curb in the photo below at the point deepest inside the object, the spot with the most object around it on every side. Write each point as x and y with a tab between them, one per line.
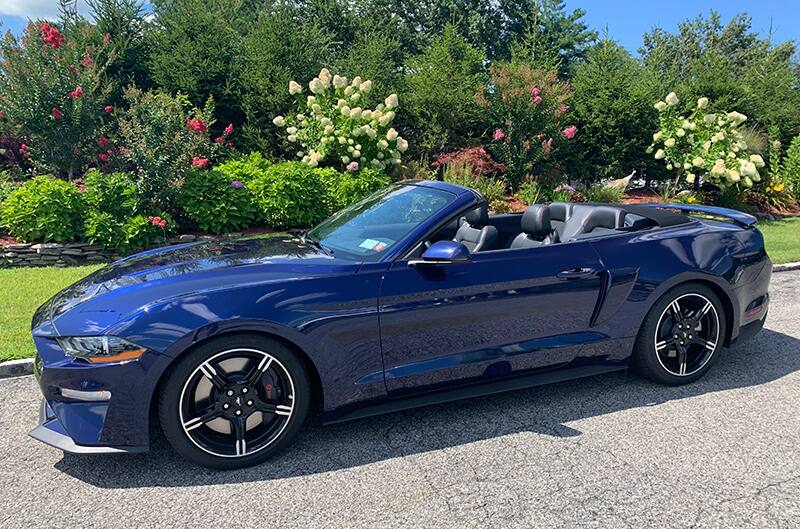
786	267
19	368
16	368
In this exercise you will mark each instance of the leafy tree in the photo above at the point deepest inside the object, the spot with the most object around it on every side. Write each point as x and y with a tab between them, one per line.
613	109
378	57
440	89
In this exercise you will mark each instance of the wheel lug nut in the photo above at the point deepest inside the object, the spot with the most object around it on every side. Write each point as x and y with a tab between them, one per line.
249	402
229	393
226	406
244	390
238	412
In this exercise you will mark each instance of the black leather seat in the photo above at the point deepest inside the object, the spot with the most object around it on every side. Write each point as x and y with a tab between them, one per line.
559	214
536	228
586	219
475	233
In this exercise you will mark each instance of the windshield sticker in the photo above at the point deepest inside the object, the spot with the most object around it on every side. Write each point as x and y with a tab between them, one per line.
372	244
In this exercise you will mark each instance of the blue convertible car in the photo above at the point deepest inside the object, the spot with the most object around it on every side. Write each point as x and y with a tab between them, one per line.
412	296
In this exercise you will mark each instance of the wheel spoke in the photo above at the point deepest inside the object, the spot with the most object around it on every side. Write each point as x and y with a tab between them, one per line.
238	432
259	369
280	409
665	344
698	316
676	310
213	375
682	361
203	419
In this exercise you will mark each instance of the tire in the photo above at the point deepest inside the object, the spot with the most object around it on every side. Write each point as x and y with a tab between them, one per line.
674	350
234	402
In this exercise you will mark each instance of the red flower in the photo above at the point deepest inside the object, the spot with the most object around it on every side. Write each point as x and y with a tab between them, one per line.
56	113
108	108
158	222
228	130
102	141
569	132
87	60
51	36
2	114
77	93
229	144
23	149
103	157
196	124
199	163
499	135
219	139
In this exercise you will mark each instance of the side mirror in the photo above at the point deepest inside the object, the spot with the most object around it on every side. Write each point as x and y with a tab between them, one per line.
443	252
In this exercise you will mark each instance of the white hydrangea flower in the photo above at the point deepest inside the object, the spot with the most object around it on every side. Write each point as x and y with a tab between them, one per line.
706	146
356	153
300	154
355	97
386	118
671	99
719	167
736	118
658	135
690	178
355	113
669	167
402	144
659	154
345	159
325	77
669	142
339	82
698	161
757	160
733	175
342	140
680	133
747	168
709	119
687	166
380	156
348	91
702	102
315	85
367	114
291	130
391	134
279	121
328	129
660	106
316	108
292	138
295	88
356	81
366	86
345	110
391	101
380	107
350	149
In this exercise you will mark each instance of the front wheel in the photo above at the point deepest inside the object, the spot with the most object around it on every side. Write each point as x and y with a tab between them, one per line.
681	336
234	402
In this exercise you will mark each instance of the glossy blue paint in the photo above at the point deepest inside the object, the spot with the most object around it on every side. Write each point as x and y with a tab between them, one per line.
385	328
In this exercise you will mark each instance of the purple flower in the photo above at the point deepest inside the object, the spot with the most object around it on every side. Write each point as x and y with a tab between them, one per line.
236	184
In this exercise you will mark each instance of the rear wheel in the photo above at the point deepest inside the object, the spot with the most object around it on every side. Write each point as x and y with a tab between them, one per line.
234	402
681	335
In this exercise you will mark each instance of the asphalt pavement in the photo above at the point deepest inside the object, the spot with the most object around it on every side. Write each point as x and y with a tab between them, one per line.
611	451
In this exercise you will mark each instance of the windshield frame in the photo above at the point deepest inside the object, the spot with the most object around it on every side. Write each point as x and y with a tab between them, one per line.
399	247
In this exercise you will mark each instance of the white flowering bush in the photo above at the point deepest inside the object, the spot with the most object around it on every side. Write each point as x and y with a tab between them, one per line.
704	145
332	128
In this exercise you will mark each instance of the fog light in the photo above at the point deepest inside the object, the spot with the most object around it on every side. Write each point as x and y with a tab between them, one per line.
86	396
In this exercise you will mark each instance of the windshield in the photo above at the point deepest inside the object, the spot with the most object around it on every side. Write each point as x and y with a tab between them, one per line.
368	228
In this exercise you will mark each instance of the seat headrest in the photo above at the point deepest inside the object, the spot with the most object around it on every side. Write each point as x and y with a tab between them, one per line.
560	211
536	221
603	217
478	216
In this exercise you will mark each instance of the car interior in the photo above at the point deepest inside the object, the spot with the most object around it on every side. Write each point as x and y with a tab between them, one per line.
538	225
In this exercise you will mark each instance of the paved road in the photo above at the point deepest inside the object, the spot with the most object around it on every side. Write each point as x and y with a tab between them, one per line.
606	452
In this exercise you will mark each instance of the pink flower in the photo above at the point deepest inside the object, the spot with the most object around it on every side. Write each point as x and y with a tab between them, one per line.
199	163
499	135
106	38
228	130
547	146
352	167
102	141
87	60
537	100
569	132
51	36
56	113
535	92
562	109
103	157
2	114
77	93
108	108
23	149
219	139
196	124
72	68
236	184
156	221
229	144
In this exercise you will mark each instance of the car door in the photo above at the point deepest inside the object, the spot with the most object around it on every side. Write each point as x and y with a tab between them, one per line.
505	312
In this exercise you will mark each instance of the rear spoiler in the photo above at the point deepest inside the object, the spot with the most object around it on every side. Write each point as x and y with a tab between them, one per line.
742	219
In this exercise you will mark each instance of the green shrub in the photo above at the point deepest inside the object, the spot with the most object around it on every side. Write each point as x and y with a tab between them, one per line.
289	194
244	168
529	192
112	193
103	229
7	185
791	167
141	231
44	209
345	188
605	193
216	202
492	189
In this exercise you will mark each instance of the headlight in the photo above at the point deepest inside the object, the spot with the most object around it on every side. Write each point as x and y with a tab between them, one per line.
101	349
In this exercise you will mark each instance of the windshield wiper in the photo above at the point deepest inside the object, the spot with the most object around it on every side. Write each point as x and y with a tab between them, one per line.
316	244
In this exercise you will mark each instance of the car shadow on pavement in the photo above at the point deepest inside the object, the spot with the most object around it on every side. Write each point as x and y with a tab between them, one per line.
545	410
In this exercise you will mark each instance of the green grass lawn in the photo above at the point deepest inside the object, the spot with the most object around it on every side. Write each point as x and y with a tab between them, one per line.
24	289
782	238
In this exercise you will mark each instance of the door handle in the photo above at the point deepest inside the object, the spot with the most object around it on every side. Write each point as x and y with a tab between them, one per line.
576	273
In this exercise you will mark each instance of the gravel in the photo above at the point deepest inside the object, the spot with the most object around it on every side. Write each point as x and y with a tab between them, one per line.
609	451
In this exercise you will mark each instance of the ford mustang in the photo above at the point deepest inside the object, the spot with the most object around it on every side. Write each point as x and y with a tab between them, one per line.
412	296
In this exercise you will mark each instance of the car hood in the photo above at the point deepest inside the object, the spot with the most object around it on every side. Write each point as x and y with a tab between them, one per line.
165	273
